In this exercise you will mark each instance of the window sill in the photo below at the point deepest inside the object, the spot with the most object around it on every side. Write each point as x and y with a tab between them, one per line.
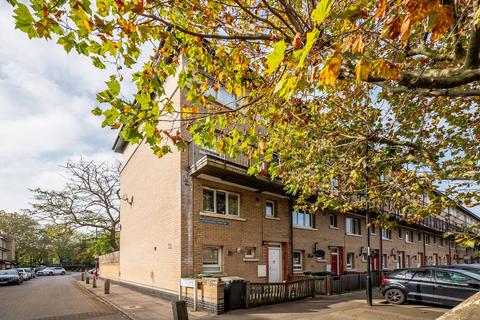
272	218
305	228
297	272
386	239
222	216
250	260
332	227
353	235
409	242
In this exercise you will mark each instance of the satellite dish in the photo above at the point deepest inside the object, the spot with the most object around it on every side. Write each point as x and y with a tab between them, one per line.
319	253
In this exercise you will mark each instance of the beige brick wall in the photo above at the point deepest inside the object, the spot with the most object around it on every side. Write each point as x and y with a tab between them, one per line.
150	237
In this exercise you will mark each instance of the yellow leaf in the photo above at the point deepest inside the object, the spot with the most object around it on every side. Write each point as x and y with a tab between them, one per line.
362	70
329	73
88	25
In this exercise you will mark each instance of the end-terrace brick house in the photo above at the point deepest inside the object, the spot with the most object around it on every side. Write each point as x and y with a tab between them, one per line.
7	252
195	212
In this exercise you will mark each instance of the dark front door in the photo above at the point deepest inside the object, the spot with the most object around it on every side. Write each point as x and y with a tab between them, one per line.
421	286
451	288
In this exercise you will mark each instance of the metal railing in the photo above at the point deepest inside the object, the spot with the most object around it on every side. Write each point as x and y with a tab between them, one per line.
198	153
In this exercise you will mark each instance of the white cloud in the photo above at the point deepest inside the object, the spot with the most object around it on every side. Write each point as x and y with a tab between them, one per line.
45	101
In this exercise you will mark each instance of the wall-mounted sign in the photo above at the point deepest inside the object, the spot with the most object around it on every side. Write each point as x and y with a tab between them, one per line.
203	220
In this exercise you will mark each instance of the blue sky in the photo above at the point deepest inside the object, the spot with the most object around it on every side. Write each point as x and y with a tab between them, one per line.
45	101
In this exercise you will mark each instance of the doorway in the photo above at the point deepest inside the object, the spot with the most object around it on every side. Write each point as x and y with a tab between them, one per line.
274	264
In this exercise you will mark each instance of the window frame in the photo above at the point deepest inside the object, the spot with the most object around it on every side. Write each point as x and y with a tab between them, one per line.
347	225
219	262
350	266
389	232
333	216
425	237
408	236
297	270
304	226
249	256
227	207
274	211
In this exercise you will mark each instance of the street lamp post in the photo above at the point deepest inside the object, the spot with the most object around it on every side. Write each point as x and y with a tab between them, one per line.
369	251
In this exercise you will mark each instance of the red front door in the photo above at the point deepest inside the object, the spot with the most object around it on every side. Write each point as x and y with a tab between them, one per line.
334	260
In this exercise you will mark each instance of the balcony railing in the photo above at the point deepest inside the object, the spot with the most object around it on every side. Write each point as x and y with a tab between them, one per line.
198	154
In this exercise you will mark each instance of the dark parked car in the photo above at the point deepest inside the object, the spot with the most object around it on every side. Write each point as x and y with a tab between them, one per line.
444	286
10	277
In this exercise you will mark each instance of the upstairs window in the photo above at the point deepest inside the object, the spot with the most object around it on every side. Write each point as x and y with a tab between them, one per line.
399	233
386	234
352	226
427	239
270	208
409	236
333	221
302	219
223	97
221	202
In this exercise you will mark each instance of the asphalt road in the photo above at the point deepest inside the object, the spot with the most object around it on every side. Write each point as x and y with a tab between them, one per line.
52	298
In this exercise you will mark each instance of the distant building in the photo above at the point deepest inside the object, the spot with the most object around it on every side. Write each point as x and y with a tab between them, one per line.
7	252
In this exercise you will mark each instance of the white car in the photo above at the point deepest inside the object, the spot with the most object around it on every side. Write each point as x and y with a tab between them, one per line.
24	273
53	271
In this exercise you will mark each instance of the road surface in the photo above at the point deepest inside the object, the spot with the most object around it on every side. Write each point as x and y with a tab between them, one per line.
52	298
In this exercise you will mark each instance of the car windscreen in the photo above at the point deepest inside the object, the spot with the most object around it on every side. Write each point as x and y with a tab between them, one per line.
402	274
3	272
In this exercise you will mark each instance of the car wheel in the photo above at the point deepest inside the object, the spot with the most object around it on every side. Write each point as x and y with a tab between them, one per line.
63	273
50	274
395	296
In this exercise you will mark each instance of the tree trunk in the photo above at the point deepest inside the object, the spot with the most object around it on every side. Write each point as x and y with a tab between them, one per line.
113	239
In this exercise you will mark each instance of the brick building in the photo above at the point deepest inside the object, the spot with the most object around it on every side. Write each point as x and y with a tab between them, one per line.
197	212
7	252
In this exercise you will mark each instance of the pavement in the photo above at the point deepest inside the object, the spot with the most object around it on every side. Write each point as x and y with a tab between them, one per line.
52	298
351	306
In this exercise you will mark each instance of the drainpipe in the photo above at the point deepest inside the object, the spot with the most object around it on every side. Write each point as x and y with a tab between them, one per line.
381	249
424	250
290	240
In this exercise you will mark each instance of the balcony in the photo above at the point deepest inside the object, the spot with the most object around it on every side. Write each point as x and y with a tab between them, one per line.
208	163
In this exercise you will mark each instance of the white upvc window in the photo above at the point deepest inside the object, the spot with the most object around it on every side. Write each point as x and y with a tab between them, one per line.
297	261
386	234
221	202
270	208
427	239
408	236
353	226
384	260
440	241
212	259
249	253
350	261
302	219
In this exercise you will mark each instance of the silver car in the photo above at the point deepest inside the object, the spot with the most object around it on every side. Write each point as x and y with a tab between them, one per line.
53	271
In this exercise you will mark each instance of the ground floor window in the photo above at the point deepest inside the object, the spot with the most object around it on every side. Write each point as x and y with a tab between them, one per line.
384	261
212	259
249	253
350	261
297	261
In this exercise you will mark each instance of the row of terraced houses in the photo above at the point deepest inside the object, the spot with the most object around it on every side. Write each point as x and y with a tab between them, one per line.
7	252
198	212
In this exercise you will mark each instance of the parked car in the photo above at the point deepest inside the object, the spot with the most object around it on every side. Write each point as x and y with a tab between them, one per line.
10	276
53	271
39	270
436	285
29	271
24	274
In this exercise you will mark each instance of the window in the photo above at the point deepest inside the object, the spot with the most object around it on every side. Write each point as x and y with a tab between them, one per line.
333	221
423	275
353	226
409	236
373	229
302	219
222	96
399	233
386	234
212	257
269	208
440	242
427	239
249	253
350	261
451	277
408	261
297	261
221	202
384	261
419	236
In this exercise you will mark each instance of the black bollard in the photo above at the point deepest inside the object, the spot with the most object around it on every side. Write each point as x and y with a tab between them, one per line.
179	309
94	282
87	280
83	276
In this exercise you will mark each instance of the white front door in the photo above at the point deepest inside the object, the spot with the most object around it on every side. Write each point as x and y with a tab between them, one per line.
274	264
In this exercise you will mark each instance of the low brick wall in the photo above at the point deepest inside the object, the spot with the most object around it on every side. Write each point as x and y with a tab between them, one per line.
109	265
210	295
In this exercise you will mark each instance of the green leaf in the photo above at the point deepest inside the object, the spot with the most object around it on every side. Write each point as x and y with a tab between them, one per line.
24	20
276	56
97	111
321	11
311	38
113	86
